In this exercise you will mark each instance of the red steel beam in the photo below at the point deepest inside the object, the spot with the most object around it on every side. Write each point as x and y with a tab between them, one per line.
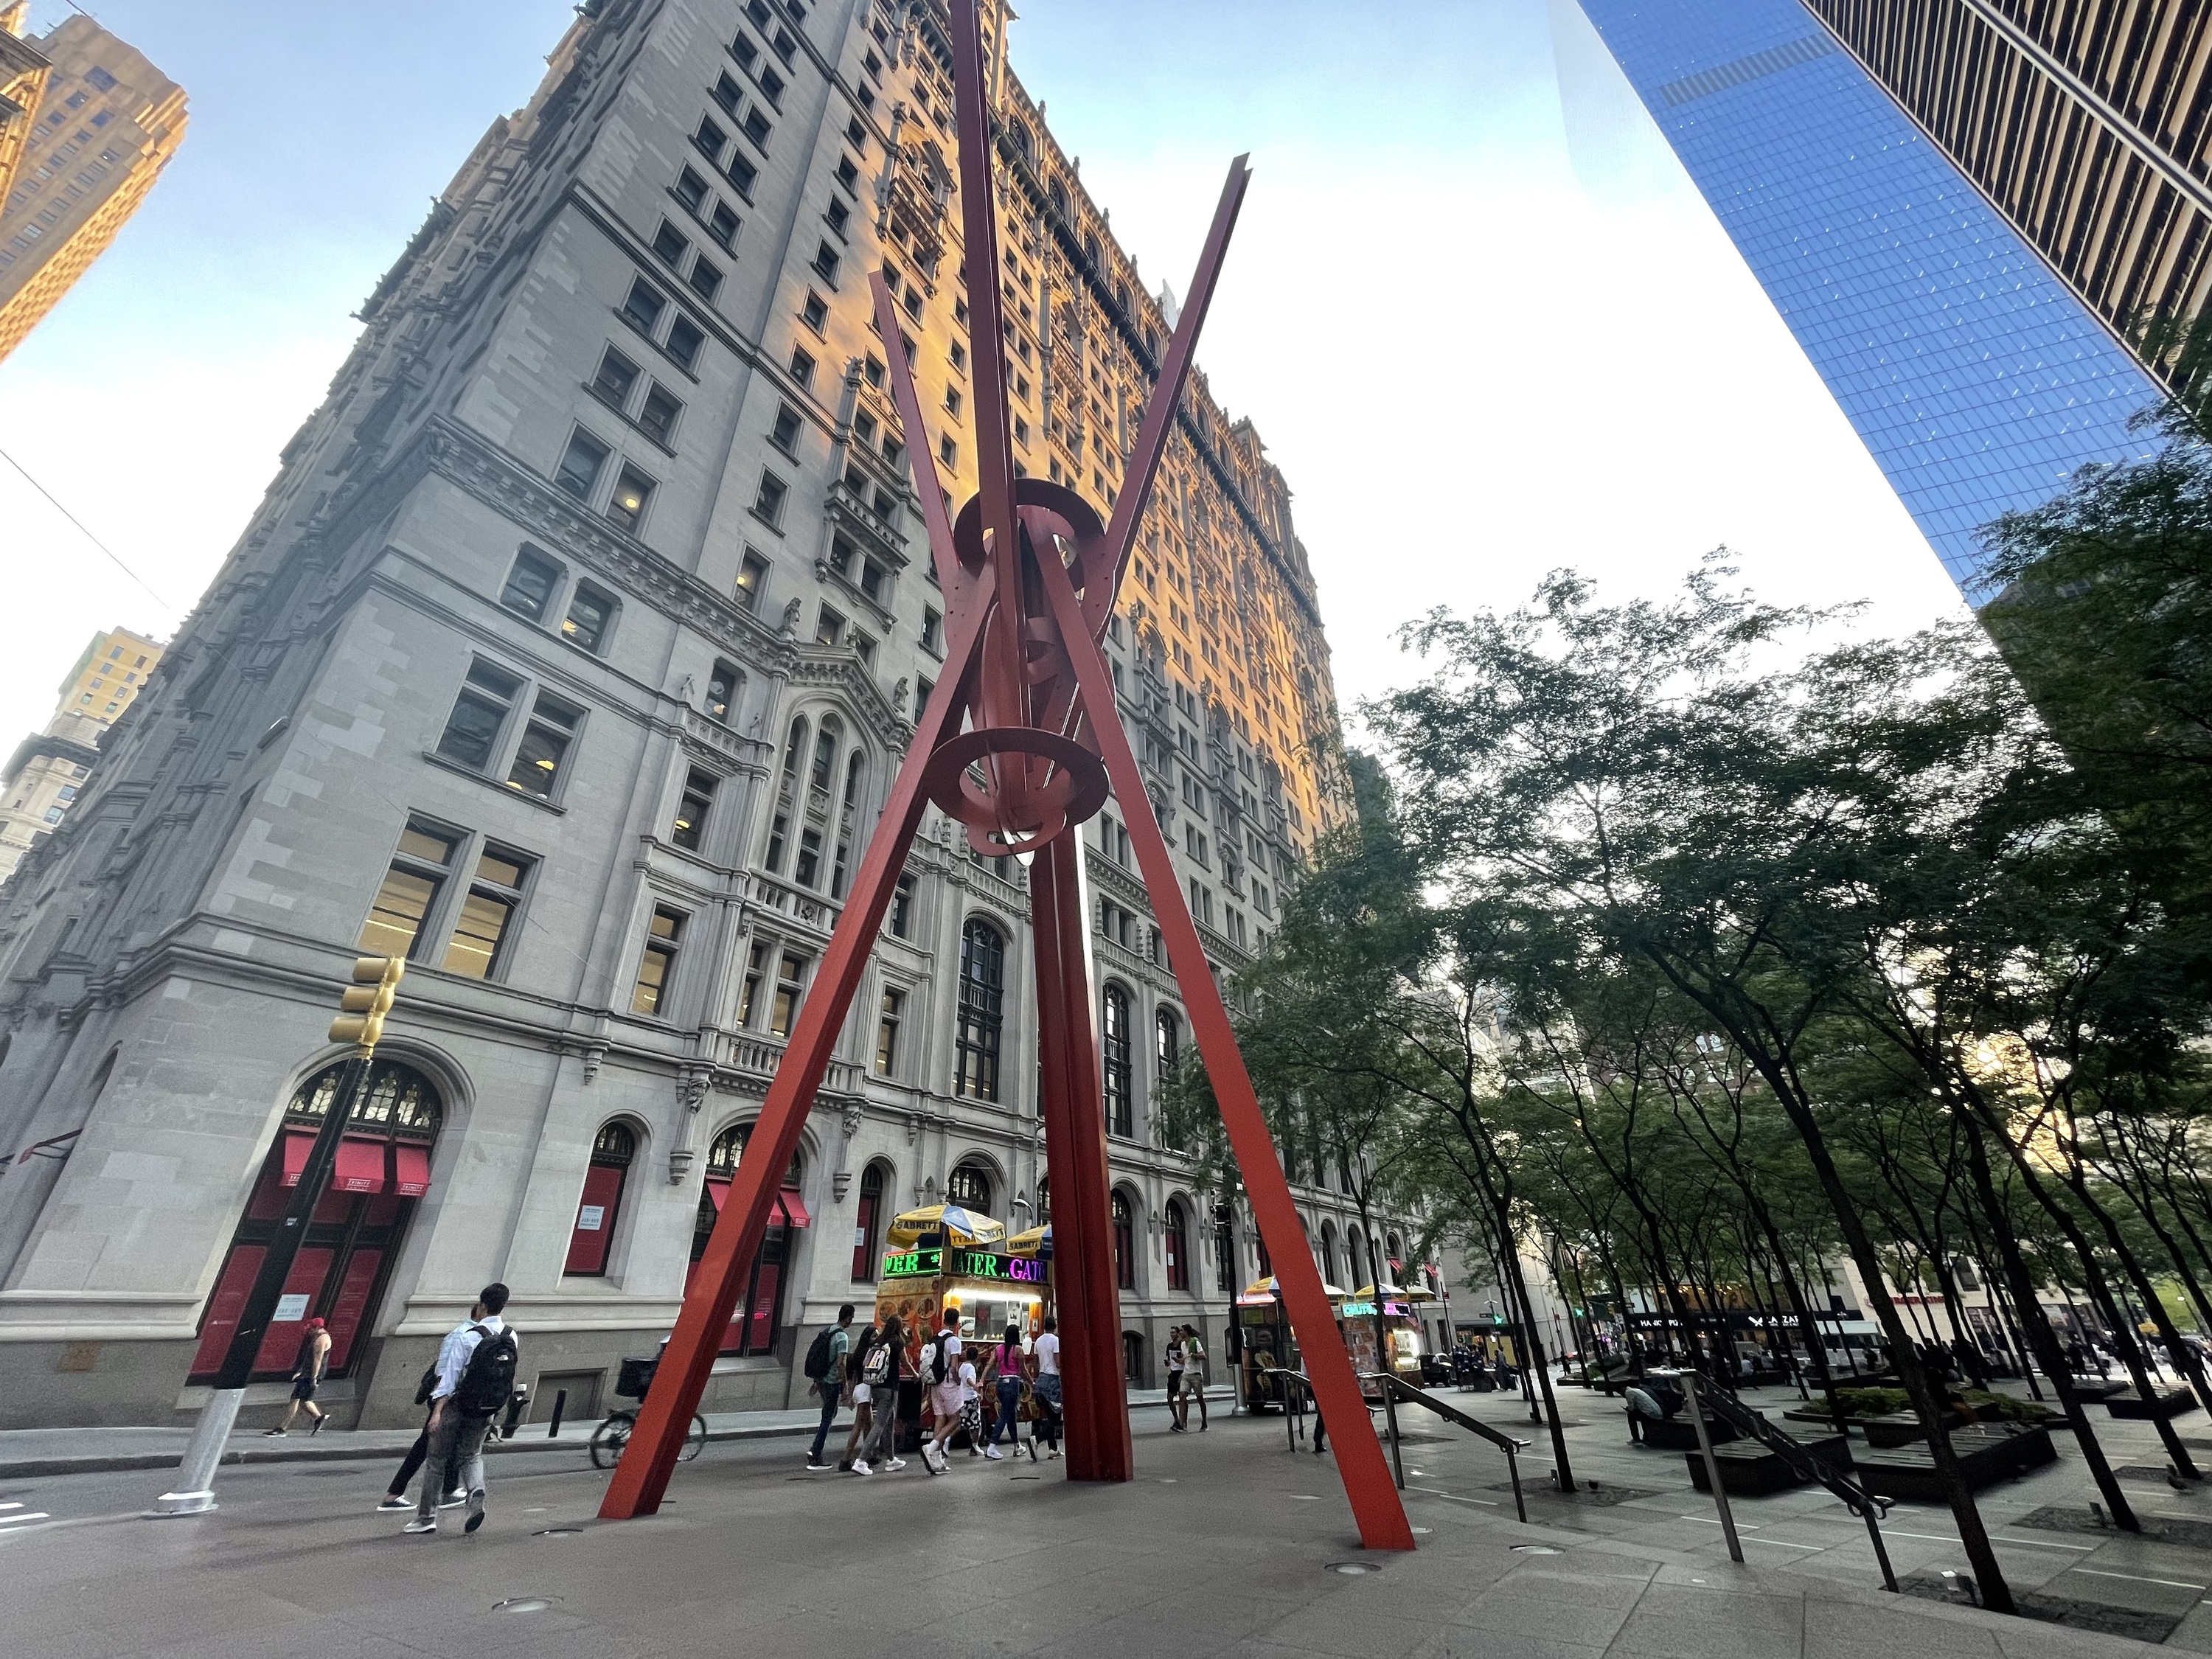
1085	1288
1367	1484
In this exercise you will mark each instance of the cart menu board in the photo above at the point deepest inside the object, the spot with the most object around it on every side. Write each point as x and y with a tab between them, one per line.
987	1265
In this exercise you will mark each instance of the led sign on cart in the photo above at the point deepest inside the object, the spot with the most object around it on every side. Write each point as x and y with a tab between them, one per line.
963	1264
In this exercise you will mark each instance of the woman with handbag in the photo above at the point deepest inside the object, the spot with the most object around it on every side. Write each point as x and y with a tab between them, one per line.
1009	1368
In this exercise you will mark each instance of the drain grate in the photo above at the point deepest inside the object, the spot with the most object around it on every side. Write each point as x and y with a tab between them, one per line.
1352	1569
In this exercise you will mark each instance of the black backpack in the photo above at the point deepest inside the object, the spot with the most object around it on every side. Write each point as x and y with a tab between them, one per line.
817	1356
488	1384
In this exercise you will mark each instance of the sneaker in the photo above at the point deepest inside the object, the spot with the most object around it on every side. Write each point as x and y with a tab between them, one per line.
896	1463
476	1510
452	1500
994	1453
418	1524
821	1469
859	1466
392	1503
931	1464
273	1434
1056	1451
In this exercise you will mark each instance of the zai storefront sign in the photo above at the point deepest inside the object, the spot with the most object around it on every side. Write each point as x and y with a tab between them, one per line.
963	1264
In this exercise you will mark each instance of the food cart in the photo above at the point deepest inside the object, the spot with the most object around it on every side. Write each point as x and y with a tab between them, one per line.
1265	1342
1401	1330
948	1265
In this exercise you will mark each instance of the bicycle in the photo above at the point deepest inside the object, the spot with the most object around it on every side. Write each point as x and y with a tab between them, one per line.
612	1437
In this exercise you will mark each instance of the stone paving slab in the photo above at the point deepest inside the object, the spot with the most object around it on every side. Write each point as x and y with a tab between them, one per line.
1226	1543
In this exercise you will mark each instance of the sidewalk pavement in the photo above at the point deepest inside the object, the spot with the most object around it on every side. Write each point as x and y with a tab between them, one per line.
26	1453
1225	1543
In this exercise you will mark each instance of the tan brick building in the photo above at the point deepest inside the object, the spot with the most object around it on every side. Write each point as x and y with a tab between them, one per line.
106	124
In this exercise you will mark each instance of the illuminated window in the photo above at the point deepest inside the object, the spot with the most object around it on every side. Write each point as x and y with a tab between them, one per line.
633	492
983	1000
657	966
689	829
790	987
486	924
410	886
590	616
545	747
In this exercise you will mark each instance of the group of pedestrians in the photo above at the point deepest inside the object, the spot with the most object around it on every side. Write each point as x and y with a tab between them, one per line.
987	1400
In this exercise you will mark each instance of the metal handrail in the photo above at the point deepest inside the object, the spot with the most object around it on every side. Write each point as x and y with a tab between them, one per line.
1868	1506
1396	1387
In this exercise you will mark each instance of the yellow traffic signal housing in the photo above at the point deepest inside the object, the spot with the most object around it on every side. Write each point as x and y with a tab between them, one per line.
367	1000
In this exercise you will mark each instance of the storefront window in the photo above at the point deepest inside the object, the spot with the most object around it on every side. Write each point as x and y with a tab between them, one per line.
1125	1242
590	1238
758	1319
383	1169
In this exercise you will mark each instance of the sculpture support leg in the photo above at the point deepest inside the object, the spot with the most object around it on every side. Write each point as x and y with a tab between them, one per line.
642	1477
1360	1461
1086	1289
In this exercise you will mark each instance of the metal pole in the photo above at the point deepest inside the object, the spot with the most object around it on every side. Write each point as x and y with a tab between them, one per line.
1712	1468
1513	1473
1880	1553
1391	1420
195	1491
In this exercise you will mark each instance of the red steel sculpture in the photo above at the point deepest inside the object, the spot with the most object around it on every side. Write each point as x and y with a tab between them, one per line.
1020	742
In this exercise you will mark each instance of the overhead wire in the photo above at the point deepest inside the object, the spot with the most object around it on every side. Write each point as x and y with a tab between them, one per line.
113	557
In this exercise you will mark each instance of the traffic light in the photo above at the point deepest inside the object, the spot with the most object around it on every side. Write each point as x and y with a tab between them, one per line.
367	1000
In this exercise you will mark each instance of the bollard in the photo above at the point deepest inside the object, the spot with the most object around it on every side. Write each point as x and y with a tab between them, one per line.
1712	1468
560	1405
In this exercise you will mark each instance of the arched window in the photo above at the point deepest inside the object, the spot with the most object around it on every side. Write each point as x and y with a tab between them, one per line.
868	1223
825	753
1328	1252
1396	1257
1090	248
1125	1242
1114	1048
1044	1200
982	1003
852	777
1167	1044
357	1228
588	1240
1225	1250
758	1317
1178	1247
1355	1258
794	746
969	1186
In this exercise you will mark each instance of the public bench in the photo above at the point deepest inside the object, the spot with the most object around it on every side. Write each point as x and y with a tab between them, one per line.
2170	1403
1750	1470
1987	1453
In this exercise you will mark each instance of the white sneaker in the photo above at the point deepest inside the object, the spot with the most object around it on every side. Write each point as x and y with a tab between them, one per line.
391	1503
992	1452
859	1467
1056	1451
896	1463
418	1524
452	1500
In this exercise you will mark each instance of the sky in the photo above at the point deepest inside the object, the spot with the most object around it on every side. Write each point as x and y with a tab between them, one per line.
1486	331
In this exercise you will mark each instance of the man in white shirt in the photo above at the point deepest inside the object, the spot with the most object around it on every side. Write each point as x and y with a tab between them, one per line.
1047	1383
457	1437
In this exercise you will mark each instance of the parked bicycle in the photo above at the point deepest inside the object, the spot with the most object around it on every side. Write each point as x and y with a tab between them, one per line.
612	1437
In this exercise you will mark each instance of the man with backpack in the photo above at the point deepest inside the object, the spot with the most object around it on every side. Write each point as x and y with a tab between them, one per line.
476	1379
825	1369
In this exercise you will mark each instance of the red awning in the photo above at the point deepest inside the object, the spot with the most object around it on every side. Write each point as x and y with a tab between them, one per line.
360	1166
411	1169
718	1190
298	1143
793	1210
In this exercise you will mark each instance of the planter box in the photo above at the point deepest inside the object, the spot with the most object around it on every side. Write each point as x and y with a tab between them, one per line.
1748	1469
2172	1403
1680	1434
1988	1452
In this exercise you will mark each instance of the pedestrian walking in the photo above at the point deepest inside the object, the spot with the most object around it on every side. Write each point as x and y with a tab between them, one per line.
306	1373
1176	1424
1045	1356
476	1379
1194	1376
879	1373
1008	1372
859	1391
825	1369
940	1381
395	1495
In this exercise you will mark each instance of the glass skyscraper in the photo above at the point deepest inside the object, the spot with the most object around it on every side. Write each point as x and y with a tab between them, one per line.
1974	376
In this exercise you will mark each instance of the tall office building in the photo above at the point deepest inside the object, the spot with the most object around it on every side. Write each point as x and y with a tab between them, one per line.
106	125
44	775
570	654
2085	124
1976	378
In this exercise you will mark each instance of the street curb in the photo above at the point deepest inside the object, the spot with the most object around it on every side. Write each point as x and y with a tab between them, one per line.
34	1468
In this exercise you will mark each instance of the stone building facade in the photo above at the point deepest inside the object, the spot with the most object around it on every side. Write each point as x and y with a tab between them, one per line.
106	124
43	777
571	651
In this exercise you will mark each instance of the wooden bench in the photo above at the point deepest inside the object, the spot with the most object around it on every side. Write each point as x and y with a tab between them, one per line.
1988	1453
1680	1434
1750	1469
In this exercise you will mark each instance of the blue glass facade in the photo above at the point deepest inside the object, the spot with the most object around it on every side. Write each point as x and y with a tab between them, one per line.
1973	376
